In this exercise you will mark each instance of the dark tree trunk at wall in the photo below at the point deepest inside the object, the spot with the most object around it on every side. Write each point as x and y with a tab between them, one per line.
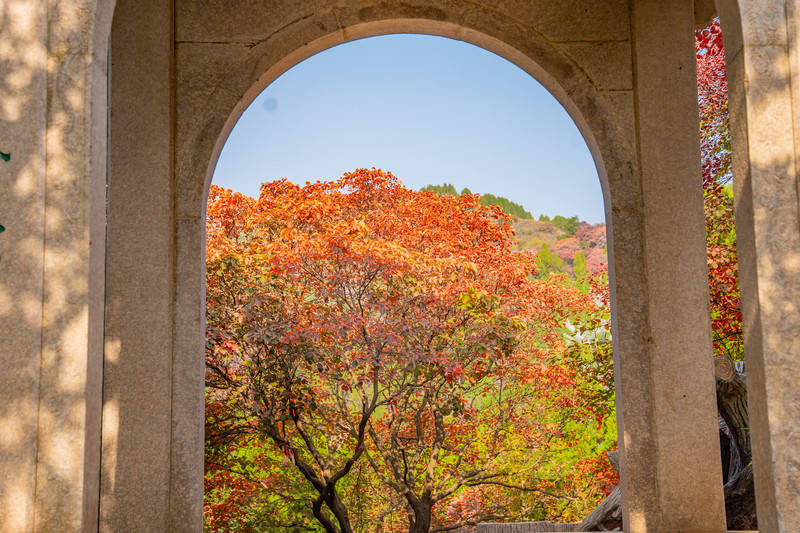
740	501
737	469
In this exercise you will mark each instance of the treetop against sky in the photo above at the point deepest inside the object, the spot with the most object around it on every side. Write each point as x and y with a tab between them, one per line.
430	110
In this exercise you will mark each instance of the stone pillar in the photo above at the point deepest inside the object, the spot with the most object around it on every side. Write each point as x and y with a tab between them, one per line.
139	334
23	116
51	293
671	472
762	45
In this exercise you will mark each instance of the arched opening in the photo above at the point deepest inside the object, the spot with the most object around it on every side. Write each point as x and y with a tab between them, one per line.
175	115
421	27
441	29
488	492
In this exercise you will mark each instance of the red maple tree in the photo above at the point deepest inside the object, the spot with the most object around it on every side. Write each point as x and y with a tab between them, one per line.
360	329
715	147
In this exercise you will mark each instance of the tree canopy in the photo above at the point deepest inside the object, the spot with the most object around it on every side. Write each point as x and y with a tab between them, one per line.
715	145
382	357
512	208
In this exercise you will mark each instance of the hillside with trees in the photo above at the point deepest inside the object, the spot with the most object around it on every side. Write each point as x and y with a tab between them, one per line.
512	208
564	244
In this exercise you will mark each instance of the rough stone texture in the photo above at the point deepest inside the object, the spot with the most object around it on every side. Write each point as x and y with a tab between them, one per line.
139	335
607	63
23	112
242	21
571	20
682	411
762	99
175	98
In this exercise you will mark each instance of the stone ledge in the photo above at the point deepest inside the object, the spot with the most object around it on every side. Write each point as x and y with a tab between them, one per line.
539	527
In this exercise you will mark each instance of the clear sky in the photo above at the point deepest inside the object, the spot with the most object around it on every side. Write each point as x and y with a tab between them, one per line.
428	109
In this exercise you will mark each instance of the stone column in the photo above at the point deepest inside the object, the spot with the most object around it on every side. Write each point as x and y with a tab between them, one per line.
763	55
139	335
23	115
672	480
51	293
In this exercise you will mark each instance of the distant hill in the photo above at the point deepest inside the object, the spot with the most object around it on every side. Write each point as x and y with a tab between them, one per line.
586	248
569	225
532	234
563	244
512	208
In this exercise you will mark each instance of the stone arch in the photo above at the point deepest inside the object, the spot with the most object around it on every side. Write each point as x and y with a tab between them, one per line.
170	59
245	74
169	118
241	74
576	92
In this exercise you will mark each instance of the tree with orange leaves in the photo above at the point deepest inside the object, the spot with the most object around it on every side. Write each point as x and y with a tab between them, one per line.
359	328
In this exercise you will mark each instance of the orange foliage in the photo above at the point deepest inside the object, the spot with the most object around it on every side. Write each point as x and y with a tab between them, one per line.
358	322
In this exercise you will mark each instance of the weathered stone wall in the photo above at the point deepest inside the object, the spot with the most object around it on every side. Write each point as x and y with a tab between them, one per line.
52	85
23	104
764	98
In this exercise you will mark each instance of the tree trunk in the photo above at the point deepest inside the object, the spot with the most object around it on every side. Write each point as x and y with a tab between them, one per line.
740	501
422	516
337	507
732	406
607	516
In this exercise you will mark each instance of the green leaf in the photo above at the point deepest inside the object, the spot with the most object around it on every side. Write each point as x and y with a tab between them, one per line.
5	156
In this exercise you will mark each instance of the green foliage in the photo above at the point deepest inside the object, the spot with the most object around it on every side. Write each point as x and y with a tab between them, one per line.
579	265
444	189
512	208
568	225
547	263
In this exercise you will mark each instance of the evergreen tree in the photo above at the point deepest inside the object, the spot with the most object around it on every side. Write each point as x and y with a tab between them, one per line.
547	263
446	189
579	265
568	225
512	208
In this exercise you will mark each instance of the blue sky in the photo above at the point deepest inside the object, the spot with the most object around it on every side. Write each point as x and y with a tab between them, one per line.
428	109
